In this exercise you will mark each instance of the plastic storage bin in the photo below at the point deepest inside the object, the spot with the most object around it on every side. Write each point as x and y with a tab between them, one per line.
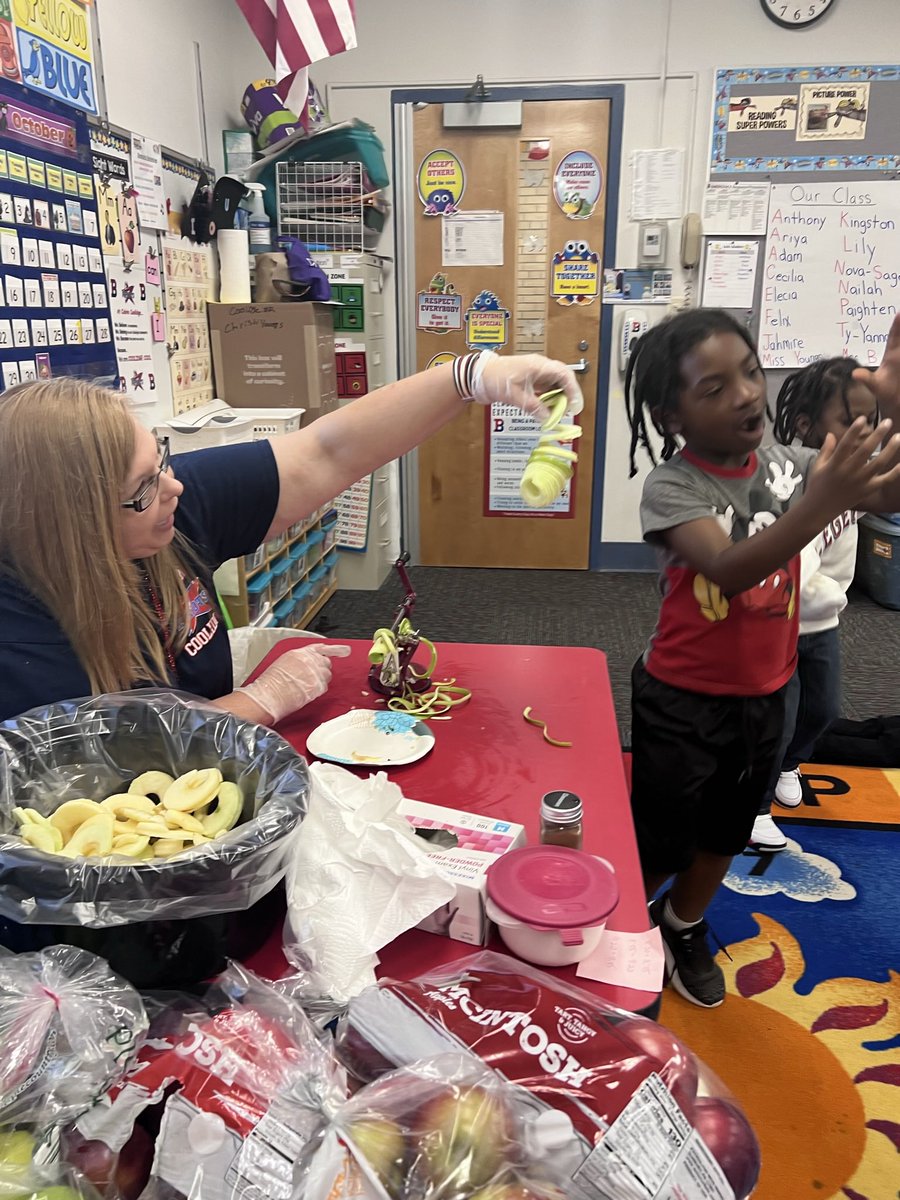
878	560
329	529
256	559
284	611
317	578
275	544
281	579
298	557
258	594
302	597
315	541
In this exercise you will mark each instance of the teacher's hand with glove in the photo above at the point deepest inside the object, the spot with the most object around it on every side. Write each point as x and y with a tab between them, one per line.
293	680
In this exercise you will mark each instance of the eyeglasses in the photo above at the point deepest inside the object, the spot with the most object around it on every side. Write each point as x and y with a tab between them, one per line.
147	495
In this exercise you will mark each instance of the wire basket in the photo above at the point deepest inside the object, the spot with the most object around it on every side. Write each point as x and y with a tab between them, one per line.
327	205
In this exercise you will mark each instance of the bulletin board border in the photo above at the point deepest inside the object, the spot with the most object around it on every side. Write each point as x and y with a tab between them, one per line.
724	162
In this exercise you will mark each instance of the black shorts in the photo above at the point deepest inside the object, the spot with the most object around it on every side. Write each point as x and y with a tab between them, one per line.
700	767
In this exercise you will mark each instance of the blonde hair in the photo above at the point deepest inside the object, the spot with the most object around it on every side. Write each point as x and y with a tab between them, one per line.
66	450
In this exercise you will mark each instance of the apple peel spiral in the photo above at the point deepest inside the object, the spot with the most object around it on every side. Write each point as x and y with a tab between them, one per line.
550	464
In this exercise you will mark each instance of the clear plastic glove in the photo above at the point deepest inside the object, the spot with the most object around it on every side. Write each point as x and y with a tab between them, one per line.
296	678
521	379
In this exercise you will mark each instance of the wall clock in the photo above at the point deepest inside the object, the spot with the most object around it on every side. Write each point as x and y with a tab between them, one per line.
795	14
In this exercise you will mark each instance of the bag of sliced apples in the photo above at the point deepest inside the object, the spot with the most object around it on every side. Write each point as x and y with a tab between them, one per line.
640	1115
446	1128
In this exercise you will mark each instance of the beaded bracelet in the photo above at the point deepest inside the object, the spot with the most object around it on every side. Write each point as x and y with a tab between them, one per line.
465	372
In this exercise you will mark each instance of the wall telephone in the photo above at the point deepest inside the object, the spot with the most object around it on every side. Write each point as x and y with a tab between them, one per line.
691	238
634	325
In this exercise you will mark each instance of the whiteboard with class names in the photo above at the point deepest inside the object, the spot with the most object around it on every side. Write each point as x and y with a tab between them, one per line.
830	272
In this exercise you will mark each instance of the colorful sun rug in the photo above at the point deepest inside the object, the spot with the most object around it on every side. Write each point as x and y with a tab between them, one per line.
808	1038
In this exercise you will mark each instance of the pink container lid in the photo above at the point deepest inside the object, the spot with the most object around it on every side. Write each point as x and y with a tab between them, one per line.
553	887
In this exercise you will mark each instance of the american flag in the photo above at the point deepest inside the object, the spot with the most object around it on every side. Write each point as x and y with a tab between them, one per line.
296	33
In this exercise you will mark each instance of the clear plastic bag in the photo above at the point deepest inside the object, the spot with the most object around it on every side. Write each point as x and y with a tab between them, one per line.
639	1103
92	749
229	1087
69	1028
446	1128
24	1178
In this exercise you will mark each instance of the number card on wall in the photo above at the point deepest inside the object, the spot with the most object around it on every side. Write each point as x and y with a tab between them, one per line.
56	305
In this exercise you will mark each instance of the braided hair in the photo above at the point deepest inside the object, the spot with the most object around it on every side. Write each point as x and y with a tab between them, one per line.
653	380
806	393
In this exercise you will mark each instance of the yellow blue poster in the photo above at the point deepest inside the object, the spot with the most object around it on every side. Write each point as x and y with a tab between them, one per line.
575	273
55	47
441	181
487	323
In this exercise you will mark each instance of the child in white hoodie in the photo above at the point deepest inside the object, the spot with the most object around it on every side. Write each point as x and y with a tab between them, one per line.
823	398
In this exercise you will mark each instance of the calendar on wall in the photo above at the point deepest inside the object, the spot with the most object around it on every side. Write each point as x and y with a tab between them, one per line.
56	316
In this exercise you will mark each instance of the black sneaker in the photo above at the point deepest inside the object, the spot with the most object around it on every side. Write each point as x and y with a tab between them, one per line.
690	966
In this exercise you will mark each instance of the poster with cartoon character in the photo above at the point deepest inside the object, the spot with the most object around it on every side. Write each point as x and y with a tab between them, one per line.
578	184
833	112
575	273
487	323
439	307
441	181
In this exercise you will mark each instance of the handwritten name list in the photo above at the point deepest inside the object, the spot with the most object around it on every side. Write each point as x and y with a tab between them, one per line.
831	272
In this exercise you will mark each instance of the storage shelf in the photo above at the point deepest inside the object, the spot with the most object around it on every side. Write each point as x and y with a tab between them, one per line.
314	608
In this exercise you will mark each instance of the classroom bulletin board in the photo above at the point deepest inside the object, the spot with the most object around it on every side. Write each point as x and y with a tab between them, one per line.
797	119
827	258
56	317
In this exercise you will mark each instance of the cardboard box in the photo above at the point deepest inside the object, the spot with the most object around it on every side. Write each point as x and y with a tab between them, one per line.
274	356
481	841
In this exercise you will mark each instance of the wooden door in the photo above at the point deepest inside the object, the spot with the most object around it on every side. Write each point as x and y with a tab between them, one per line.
462	519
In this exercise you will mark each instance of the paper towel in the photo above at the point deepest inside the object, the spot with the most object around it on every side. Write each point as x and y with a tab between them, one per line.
358	878
234	266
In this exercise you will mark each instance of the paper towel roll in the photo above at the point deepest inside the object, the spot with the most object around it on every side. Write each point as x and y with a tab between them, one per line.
234	266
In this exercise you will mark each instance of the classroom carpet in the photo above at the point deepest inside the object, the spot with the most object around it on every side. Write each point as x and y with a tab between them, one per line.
808	1038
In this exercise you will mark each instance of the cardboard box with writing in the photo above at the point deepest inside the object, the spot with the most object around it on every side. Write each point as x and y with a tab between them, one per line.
479	842
274	355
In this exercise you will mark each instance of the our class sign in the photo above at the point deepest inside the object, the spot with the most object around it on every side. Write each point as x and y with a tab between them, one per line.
55	50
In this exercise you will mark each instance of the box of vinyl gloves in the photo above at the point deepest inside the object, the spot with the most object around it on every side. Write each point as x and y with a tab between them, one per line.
479	842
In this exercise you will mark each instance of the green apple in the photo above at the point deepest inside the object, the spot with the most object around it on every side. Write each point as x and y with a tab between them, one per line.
16	1153
518	1189
464	1138
382	1145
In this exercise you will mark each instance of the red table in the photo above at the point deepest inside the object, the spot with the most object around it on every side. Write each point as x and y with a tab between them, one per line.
488	760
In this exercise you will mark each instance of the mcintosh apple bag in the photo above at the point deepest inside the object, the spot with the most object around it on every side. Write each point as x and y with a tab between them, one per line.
444	1128
633	1096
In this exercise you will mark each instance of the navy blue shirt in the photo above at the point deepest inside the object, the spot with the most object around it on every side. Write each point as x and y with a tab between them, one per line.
229	502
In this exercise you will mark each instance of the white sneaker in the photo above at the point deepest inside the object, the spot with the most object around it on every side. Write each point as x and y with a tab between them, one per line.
766	835
789	789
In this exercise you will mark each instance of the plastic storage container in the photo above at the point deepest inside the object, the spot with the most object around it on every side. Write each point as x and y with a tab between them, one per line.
878	560
329	529
315	540
317	578
298	555
284	611
275	544
259	594
302	597
281	579
551	903
256	559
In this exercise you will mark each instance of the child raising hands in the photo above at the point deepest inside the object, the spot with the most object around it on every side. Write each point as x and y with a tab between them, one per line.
820	399
728	520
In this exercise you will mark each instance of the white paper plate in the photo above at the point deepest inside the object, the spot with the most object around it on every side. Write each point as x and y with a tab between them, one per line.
366	737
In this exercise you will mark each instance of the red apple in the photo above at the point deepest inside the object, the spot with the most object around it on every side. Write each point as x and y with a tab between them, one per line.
678	1067
382	1145
92	1158
733	1143
464	1137
359	1057
135	1164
